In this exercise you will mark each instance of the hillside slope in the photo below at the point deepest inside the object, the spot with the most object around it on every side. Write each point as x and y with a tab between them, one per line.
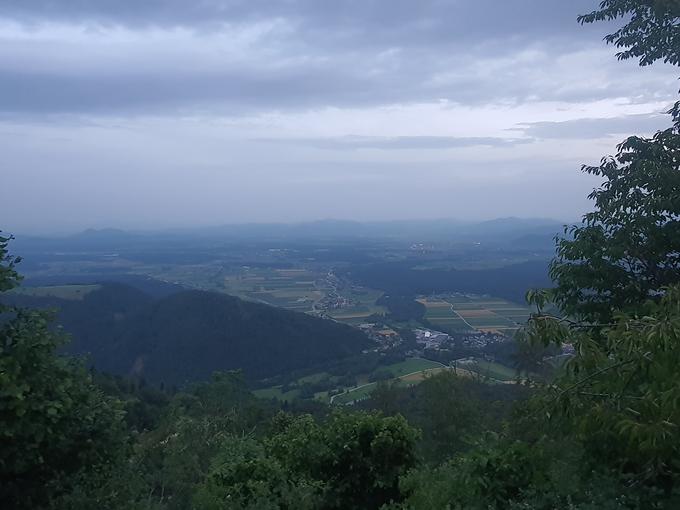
188	335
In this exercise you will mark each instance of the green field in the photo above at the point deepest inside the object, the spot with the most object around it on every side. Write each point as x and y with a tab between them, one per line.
364	391
457	312
275	392
313	378
359	393
404	368
440	313
363	306
407	367
71	292
411	365
491	370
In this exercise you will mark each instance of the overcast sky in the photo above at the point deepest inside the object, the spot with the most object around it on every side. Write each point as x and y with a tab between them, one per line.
158	113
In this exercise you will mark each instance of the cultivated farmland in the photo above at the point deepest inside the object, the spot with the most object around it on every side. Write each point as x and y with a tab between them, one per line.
304	290
295	289
464	312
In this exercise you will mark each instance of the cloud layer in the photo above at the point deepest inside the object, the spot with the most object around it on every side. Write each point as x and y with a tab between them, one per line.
363	100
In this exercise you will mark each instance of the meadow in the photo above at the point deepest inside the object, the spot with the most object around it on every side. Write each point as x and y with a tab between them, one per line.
489	370
408	372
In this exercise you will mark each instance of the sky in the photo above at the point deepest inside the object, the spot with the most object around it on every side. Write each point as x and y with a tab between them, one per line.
175	113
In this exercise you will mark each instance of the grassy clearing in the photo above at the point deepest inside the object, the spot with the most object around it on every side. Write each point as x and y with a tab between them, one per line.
492	370
359	393
411	365
408	372
419	377
313	378
275	392
363	392
415	370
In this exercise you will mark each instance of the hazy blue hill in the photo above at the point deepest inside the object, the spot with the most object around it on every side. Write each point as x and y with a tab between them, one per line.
510	222
441	229
513	231
112	240
94	234
188	335
91	239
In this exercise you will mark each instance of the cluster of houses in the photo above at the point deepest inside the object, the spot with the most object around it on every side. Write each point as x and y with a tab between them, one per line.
480	339
384	336
333	299
387	338
430	339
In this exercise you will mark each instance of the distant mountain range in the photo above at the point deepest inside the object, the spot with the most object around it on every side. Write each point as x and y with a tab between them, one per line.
187	335
498	231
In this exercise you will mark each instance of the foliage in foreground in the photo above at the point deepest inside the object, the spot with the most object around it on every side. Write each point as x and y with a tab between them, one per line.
55	424
353	461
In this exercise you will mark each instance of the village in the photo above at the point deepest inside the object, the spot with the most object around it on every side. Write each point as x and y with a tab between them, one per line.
389	339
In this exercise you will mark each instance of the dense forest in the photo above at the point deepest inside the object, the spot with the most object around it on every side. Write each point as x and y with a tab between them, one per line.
188	335
402	279
603	433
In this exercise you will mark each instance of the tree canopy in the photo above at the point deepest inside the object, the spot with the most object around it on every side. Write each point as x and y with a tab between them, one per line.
618	285
628	248
55	424
651	33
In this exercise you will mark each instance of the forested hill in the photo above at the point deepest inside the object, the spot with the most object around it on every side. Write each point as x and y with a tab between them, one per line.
401	278
188	335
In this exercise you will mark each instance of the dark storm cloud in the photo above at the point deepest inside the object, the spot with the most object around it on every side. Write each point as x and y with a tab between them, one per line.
305	54
228	92
285	82
398	142
585	129
377	20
